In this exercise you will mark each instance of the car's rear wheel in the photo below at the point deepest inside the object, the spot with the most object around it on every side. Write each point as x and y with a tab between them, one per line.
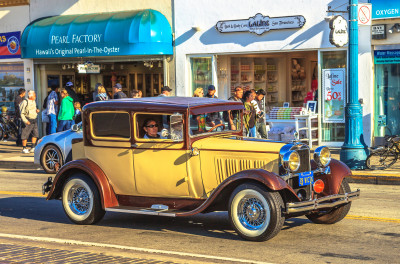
334	215
81	200
51	159
255	213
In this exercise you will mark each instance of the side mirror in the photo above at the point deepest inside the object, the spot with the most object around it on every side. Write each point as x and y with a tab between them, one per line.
75	128
176	124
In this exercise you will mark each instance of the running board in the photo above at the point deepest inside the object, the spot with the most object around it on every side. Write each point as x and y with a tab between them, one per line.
141	210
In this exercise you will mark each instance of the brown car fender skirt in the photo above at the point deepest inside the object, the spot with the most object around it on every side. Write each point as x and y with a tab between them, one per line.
332	181
88	167
222	193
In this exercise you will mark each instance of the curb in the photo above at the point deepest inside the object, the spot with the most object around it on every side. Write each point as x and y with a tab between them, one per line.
375	179
18	165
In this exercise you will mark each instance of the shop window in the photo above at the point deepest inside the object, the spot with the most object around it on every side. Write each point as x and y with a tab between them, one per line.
387	100
333	132
11	80
201	69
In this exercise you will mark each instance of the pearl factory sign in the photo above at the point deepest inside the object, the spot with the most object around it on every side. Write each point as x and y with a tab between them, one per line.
260	24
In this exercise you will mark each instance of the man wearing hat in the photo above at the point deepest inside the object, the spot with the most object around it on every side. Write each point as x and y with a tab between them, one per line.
211	92
69	87
165	91
118	93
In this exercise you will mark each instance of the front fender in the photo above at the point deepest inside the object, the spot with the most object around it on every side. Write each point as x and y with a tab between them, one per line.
332	181
271	180
108	197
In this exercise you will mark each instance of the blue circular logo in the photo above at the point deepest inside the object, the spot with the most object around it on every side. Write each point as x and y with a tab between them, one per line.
13	44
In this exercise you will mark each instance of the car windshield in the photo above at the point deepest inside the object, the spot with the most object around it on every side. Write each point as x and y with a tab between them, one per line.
214	122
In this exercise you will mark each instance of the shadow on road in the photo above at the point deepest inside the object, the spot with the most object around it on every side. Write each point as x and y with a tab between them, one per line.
214	225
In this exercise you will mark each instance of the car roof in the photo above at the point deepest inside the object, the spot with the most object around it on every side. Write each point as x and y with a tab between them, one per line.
163	103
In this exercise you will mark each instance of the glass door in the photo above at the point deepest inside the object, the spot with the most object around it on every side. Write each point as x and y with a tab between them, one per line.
332	132
387	100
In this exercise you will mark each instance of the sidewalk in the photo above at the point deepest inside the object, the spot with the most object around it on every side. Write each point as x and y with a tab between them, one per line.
11	157
389	176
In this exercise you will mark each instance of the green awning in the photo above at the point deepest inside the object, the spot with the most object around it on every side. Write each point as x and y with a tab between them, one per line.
145	32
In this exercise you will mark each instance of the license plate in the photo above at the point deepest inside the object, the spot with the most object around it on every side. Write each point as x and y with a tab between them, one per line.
306	178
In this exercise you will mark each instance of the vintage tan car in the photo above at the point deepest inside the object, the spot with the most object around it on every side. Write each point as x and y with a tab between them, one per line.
181	156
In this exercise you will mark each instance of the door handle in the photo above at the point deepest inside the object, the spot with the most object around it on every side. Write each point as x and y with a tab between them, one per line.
134	145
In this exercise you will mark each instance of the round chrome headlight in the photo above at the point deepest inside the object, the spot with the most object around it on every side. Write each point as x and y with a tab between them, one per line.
291	161
322	156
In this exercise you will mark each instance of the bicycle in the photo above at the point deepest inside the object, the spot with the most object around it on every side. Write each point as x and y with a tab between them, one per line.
7	126
383	157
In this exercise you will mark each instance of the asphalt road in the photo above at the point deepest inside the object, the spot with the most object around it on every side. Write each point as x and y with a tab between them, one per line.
35	230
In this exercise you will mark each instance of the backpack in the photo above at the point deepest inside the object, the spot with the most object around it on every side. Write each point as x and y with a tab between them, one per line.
23	110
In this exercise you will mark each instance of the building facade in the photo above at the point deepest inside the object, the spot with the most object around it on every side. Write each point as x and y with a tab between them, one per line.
386	90
284	51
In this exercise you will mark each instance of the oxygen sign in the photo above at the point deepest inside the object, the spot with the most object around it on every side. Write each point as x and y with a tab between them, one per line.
333	94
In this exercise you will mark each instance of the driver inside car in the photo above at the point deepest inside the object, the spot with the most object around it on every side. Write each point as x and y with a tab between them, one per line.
150	127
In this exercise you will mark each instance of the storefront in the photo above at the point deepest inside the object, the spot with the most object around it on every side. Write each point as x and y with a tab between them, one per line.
386	42
128	47
12	73
282	51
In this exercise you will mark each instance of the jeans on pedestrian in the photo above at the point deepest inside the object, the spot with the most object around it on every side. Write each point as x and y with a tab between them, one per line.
52	126
252	132
262	129
64	125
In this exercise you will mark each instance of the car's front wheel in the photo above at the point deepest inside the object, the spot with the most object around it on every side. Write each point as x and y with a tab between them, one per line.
81	200
51	159
334	215
255	213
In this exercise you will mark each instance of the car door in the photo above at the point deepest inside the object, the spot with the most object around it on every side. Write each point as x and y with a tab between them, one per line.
160	165
109	146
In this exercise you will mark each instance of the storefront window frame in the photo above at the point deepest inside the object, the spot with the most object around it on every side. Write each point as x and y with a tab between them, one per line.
335	144
214	80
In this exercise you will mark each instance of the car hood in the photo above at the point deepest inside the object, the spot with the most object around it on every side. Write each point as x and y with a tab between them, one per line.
241	144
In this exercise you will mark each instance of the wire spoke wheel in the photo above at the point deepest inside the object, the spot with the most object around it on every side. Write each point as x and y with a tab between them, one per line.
381	159
256	213
81	200
252	213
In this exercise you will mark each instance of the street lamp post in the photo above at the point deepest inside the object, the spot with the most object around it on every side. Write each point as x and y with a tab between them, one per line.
354	150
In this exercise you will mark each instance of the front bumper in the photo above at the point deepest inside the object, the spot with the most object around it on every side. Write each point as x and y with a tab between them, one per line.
326	202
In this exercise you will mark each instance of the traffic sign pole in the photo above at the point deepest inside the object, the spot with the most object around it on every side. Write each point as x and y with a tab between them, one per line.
354	151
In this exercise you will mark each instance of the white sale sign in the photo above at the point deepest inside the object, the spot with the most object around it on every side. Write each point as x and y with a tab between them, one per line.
333	95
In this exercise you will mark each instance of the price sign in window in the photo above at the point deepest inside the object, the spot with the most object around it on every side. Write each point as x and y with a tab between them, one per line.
333	95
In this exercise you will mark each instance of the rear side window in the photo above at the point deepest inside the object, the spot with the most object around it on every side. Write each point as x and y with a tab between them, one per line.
111	125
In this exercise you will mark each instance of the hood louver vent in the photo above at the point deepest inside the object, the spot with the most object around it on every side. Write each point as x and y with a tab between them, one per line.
227	167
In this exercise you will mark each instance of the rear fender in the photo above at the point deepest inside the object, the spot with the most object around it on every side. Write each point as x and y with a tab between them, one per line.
88	167
332	181
220	196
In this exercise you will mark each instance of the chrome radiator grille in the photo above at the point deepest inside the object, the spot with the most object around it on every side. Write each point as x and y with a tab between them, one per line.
305	164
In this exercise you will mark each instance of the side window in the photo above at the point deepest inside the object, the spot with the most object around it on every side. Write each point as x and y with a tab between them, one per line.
152	126
111	125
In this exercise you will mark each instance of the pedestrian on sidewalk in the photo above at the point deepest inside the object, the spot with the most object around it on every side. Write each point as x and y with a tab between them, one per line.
52	110
118	93
211	92
66	113
165	91
234	115
249	116
261	125
28	110
101	94
18	100
70	89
